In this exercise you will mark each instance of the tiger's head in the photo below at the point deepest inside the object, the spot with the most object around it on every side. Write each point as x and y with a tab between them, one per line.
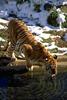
51	65
40	55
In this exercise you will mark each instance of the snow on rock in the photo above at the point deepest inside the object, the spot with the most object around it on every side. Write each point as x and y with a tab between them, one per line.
38	38
24	10
3	14
37	1
11	6
1	27
61	18
62	49
43	17
35	15
60	54
52	46
44	35
3	21
65	3
46	44
55	38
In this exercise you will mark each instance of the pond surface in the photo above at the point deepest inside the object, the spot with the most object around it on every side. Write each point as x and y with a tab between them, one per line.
35	85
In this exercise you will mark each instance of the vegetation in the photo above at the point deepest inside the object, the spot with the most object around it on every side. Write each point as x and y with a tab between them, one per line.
66	17
52	19
48	6
64	8
55	50
54	32
3	33
49	40
22	1
61	43
37	7
64	25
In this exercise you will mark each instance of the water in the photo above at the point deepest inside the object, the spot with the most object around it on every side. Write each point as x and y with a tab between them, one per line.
4	81
36	86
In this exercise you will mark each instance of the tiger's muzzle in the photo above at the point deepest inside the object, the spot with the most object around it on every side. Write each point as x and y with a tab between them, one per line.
51	71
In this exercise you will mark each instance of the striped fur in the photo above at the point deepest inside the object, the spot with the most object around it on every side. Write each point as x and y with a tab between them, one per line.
18	34
23	40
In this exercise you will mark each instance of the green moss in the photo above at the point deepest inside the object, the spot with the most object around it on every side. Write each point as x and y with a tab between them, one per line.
49	40
55	50
52	19
3	34
37	7
48	6
65	17
61	43
64	25
54	32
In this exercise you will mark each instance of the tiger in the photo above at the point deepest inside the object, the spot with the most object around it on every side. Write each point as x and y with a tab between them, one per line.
35	53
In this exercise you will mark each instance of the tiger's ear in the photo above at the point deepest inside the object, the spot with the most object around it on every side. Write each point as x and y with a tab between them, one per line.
55	56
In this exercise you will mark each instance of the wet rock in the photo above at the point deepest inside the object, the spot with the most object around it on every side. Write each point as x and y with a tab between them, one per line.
4	61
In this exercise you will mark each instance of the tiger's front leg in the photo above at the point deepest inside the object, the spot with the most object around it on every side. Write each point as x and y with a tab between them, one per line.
29	65
27	50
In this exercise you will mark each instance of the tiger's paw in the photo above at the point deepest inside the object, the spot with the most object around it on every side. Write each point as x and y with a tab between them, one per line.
31	68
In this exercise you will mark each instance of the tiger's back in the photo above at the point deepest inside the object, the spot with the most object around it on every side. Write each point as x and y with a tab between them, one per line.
18	31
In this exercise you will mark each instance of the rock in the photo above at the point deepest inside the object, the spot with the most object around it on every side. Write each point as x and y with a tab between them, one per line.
12	14
8	70
4	61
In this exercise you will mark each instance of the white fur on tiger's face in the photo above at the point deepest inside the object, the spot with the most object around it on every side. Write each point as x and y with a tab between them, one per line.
23	40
